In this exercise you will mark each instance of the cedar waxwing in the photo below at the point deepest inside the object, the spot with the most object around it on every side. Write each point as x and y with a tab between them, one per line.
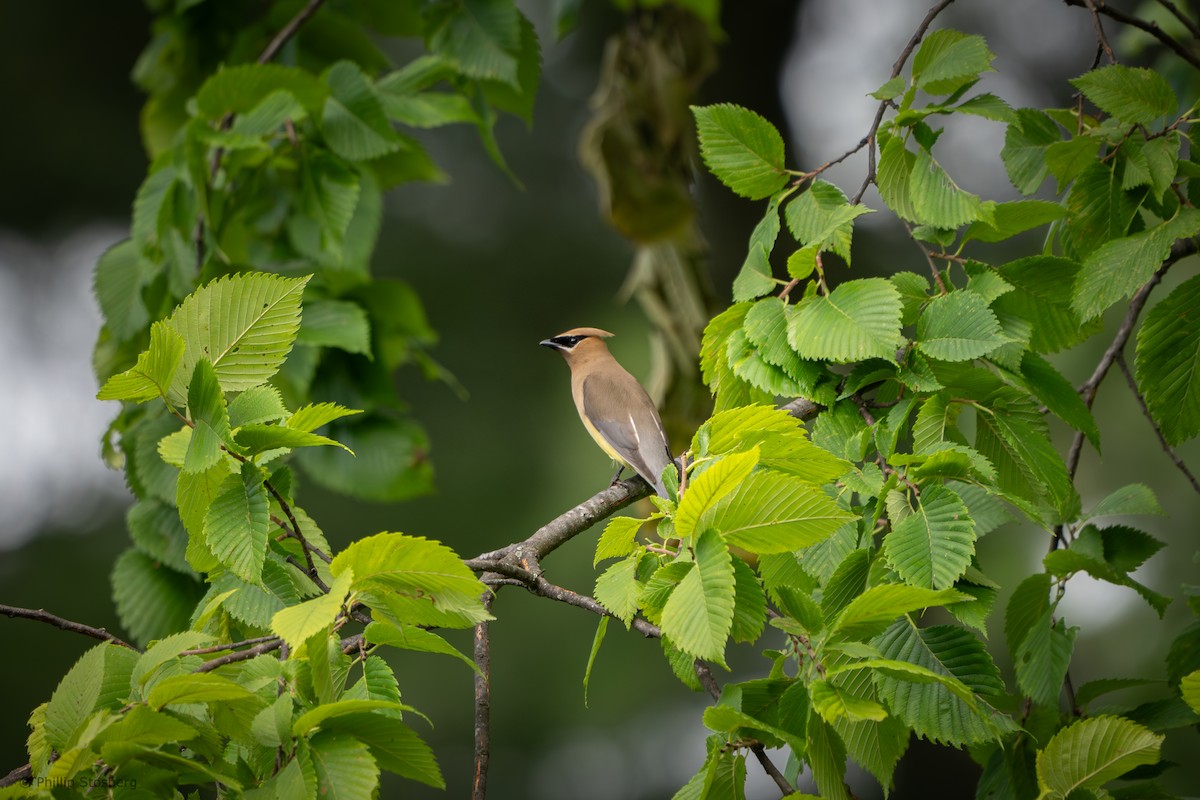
614	407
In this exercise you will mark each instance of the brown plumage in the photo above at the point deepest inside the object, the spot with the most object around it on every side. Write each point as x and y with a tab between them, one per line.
614	407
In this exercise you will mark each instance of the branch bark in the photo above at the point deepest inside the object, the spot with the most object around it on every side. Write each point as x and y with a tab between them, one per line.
41	615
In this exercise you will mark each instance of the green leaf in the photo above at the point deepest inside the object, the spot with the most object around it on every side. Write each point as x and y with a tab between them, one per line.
872	611
859	319
1089	753
118	281
1168	362
1027	605
823	216
1038	297
336	323
826	756
98	680
721	478
1189	688
296	624
729	390
1012	434
352	121
1098	210
891	89
698	615
258	438
1068	159
1091	690
833	702
617	589
1049	386
1117	269
933	710
481	38
237	523
210	420
311	417
988	106
742	149
152	601
194	496
936	198
409	637
1136	498
391	460
343	766
395	746
895	176
243	324
1014	217
1134	95
1042	660
260	404
518	98
754	279
154	371
416	576
773	513
948	60
597	640
933	546
318	716
958	326
1025	143
204	687
239	89
619	538
1091	551
750	604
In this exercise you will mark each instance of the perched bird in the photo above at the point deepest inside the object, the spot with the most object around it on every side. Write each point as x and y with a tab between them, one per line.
614	407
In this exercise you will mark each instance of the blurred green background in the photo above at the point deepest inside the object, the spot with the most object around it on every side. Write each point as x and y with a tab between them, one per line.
500	268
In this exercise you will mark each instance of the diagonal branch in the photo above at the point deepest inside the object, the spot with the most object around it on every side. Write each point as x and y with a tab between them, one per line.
1098	27
872	134
1181	249
1142	25
41	615
288	31
1171	454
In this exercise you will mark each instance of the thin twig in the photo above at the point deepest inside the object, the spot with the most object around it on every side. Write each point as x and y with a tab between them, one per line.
288	31
483	705
1101	39
872	134
1171	454
216	648
705	676
1187	21
241	655
17	775
41	615
1142	25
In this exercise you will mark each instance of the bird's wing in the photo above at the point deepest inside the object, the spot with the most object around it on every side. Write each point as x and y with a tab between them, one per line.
621	411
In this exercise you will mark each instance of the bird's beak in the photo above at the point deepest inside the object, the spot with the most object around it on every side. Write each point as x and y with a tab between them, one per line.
549	343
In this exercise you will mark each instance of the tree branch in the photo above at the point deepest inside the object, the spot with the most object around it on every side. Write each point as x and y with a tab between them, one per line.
288	31
1101	39
17	775
483	705
869	139
41	615
241	655
1142	25
1181	249
1187	21
1171	454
